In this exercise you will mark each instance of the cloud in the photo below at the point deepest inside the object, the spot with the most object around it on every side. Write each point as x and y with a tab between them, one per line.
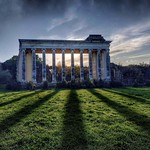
70	26
130	39
74	19
140	56
57	22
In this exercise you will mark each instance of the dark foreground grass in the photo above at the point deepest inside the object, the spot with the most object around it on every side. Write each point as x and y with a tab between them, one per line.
75	119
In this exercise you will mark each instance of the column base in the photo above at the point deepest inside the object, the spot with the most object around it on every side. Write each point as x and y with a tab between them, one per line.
54	81
107	79
90	78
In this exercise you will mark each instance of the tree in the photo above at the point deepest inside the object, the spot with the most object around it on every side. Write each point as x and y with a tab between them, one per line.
58	71
11	65
5	76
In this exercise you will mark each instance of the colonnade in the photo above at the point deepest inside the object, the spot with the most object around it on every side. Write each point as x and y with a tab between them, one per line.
99	64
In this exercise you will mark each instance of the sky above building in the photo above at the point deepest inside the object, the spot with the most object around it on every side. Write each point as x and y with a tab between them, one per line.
125	22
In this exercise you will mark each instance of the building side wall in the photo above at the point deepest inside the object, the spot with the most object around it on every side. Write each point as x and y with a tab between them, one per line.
19	67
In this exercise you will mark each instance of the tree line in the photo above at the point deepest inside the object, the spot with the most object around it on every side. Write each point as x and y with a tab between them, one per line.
130	75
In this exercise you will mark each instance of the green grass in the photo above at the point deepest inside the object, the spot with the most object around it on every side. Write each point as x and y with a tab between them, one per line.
110	119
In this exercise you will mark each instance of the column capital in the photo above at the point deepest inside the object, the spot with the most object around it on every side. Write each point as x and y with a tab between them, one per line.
33	49
108	50
63	49
43	49
23	49
81	49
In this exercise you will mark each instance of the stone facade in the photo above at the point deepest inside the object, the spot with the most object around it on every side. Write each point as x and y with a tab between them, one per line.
95	46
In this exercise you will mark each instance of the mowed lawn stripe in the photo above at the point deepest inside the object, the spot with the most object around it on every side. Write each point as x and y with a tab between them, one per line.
139	119
23	112
75	119
131	97
15	97
15	104
137	104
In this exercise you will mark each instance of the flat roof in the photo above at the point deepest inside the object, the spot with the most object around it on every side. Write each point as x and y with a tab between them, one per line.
90	39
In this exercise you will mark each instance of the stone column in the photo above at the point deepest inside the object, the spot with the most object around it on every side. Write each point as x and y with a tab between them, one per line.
33	66
108	65
72	65
23	65
94	65
53	67
63	65
90	64
28	65
81	66
98	65
44	65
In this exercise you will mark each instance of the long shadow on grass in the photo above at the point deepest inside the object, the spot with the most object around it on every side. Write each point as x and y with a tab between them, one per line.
139	99
138	119
19	98
73	130
24	112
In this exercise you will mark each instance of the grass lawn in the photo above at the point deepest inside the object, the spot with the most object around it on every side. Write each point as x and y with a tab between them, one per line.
110	119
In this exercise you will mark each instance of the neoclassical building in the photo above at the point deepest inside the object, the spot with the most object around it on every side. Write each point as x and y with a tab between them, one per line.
94	45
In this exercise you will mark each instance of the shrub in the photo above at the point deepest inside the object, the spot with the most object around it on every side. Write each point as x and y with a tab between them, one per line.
72	84
15	86
115	84
87	84
62	84
147	83
31	85
5	76
78	83
45	85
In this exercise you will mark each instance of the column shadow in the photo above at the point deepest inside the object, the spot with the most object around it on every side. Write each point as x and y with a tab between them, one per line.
139	99
19	98
73	129
140	120
24	112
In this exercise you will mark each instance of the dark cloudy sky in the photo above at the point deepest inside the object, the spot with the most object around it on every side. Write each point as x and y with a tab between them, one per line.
125	22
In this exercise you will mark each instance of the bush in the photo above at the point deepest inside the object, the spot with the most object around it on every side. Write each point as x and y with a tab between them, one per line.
45	85
147	83
72	84
116	84
5	76
87	84
31	85
100	83
62	84
15	86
